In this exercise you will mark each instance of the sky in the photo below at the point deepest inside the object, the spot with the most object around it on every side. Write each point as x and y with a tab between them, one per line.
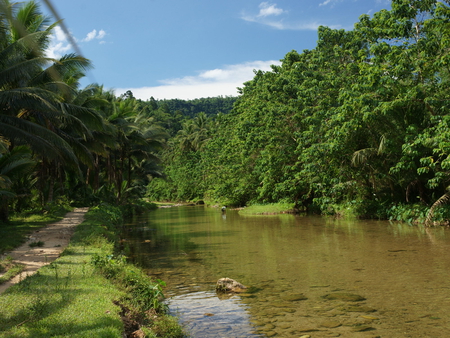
182	49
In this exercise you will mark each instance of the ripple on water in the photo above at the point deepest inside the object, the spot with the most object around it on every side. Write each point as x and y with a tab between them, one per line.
205	315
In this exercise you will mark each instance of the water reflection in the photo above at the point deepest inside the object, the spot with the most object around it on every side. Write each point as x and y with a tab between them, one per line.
206	315
400	271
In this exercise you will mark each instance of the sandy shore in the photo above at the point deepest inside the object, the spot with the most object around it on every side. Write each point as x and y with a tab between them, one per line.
55	236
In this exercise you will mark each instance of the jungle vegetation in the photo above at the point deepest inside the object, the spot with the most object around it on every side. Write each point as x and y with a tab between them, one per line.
60	142
358	125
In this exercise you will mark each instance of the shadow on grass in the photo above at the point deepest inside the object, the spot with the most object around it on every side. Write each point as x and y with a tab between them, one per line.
105	326
35	307
43	307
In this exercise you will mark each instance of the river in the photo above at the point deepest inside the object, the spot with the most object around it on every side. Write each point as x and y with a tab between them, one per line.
307	276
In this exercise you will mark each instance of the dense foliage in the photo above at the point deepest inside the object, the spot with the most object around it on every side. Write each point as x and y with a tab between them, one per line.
58	141
209	105
359	123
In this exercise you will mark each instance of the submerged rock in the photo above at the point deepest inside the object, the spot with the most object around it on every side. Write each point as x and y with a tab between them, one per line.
330	324
229	285
347	297
357	308
362	328
293	297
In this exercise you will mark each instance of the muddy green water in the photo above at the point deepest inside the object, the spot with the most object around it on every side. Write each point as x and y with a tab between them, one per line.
400	271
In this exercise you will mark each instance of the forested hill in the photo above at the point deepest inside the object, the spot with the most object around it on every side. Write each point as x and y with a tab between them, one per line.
209	105
172	114
190	108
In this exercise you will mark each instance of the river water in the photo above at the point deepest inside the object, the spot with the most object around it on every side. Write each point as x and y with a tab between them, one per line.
306	276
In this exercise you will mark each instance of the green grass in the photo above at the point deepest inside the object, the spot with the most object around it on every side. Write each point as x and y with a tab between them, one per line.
9	268
38	244
74	297
267	209
65	298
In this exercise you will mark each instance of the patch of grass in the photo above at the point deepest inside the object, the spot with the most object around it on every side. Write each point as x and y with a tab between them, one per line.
11	272
64	299
166	326
39	244
268	209
9	269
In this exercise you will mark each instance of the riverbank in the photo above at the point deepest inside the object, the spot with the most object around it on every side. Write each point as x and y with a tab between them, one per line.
87	291
268	209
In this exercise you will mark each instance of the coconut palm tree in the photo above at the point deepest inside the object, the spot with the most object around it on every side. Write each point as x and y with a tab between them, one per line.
14	165
24	104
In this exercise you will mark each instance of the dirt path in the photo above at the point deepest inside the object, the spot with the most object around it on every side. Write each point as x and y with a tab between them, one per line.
55	236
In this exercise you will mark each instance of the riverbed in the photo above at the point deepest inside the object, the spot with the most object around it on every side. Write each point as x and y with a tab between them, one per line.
306	275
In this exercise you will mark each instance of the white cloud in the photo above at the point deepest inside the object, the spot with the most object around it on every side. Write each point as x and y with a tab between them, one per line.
94	35
209	83
272	16
266	9
325	3
60	45
330	2
90	36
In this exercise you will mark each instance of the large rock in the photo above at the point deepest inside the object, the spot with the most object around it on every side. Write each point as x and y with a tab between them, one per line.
229	285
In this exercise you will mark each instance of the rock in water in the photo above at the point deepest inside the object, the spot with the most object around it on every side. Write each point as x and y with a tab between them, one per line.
347	297
229	285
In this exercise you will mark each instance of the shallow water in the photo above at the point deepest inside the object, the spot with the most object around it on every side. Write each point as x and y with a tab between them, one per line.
402	272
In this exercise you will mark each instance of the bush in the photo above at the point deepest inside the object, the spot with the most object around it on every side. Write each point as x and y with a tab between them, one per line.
410	213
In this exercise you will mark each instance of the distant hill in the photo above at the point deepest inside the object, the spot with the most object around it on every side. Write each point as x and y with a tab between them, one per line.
210	105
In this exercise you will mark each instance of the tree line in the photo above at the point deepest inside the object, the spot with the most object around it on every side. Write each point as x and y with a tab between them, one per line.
61	143
358	125
58	141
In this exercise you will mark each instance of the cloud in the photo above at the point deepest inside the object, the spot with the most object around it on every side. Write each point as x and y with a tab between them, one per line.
272	16
209	83
266	9
326	2
59	45
94	35
331	2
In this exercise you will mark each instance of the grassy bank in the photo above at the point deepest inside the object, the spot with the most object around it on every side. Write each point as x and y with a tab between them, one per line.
88	292
268	209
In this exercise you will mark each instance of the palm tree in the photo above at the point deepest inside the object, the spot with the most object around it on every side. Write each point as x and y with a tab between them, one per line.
23	103
39	96
14	165
137	141
194	133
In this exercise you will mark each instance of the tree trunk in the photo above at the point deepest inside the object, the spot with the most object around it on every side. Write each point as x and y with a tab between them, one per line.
4	210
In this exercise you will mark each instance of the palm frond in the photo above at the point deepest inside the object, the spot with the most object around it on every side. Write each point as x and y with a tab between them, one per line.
444	199
18	73
89	117
361	156
41	140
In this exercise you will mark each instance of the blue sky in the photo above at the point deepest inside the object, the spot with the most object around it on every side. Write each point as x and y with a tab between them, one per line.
199	48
